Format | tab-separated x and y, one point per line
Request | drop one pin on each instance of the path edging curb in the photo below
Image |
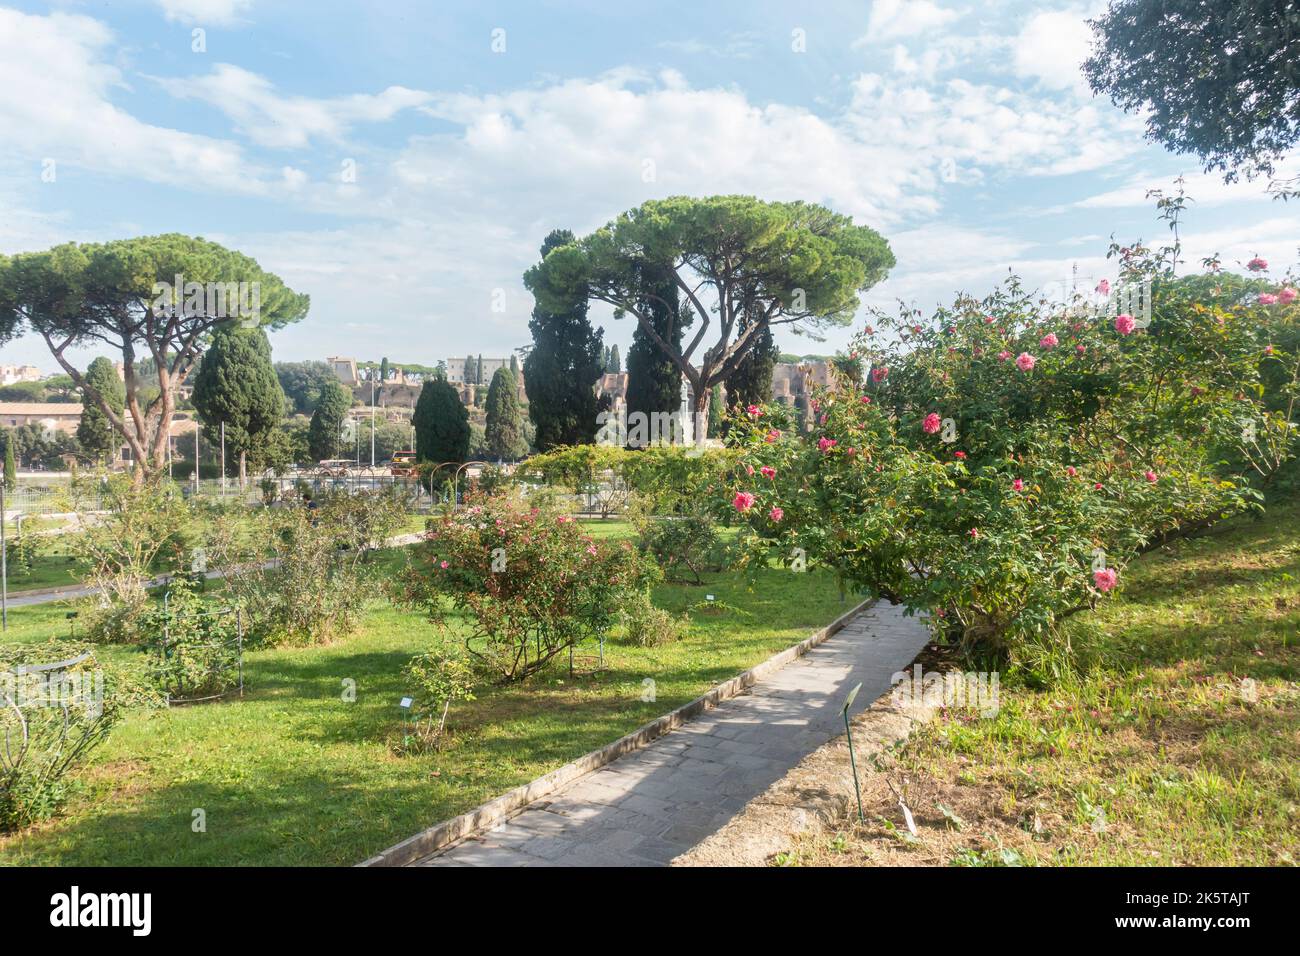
487	815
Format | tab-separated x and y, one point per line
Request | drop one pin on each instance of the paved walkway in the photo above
650	806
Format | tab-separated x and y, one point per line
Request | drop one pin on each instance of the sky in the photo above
401	162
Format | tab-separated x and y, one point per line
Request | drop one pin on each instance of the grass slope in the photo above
1179	745
293	774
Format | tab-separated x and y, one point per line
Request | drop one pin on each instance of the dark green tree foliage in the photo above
327	421
303	383
563	366
751	382
615	364
236	384
776	263
654	383
121	293
11	469
1217	79
99	440
383	369
441	424
504	435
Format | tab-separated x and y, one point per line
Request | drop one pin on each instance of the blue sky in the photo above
961	131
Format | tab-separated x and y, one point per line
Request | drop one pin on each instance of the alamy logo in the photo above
217	300
951	689
103	909
641	430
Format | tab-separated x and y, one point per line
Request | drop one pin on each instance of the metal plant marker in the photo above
848	731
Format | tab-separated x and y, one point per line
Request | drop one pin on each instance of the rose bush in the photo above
990	460
530	581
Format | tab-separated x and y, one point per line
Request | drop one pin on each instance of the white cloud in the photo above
55	87
989	127
1051	48
203	12
272	119
891	19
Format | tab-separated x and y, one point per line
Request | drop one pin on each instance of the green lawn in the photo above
1180	745
294	775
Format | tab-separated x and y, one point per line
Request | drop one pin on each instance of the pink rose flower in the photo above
826	444
1104	286
768	471
1286	295
772	435
1018	485
931	423
776	514
1257	264
974	532
1152	477
1105	579
1124	324
1003	355
743	501
1049	341
1267	298
960	455
1081	349
751	411
866	399
1070	470
878	374
989	320
749	469
443	565
1025	362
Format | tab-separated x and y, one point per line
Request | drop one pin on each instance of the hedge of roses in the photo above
997	464
532	583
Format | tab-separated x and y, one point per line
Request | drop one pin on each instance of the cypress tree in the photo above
654	383
504	435
236	384
327	420
441	424
99	440
561	369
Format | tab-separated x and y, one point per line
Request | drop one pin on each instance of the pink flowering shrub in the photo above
1113	443
531	584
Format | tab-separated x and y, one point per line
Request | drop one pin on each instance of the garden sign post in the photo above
848	732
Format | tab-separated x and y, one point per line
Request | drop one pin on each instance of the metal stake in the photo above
848	731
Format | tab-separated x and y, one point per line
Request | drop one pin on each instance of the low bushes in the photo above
195	649
437	679
300	576
50	721
529	580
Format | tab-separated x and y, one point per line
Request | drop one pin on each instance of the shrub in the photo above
645	625
530	581
1002	496
195	650
50	721
437	679
682	545
314	585
145	530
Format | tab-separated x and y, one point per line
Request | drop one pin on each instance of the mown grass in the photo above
1178	745
294	774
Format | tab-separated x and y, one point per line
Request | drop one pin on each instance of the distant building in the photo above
457	368
52	416
613	384
12	374
345	369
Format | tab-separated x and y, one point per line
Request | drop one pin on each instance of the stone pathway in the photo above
652	805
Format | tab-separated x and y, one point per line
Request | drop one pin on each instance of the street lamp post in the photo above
372	421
